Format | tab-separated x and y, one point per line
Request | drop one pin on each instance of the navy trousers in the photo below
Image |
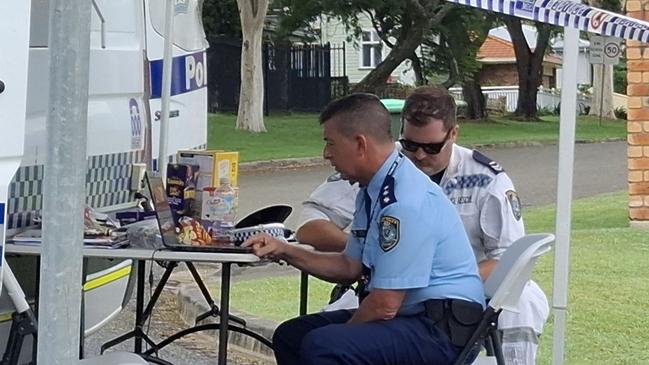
326	339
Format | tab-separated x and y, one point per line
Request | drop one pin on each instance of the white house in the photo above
363	53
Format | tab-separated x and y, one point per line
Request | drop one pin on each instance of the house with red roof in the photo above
499	64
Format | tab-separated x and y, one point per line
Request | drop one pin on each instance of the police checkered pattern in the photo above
272	229
107	184
566	13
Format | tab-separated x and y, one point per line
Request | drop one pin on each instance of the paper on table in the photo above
33	237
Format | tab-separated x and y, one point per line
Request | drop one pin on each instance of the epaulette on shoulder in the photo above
486	161
386	196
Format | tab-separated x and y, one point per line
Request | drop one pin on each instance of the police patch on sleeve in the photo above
389	236
515	203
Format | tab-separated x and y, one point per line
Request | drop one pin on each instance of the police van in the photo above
125	82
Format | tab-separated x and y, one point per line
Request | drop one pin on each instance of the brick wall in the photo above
506	75
637	54
498	75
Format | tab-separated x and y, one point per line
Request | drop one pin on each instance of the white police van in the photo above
123	121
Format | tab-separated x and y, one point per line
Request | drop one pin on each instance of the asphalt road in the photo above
599	168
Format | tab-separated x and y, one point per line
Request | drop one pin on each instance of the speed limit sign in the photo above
605	50
612	52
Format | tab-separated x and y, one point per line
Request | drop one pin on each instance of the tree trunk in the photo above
420	79
401	51
251	95
529	66
420	16
602	100
473	96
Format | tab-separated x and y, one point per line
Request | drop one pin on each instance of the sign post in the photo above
604	51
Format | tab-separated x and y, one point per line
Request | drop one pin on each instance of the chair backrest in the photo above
506	282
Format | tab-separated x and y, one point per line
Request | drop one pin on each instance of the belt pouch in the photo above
463	319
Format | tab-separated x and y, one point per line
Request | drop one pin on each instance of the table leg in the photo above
139	301
304	292
225	312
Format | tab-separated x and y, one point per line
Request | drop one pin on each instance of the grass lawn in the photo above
299	135
607	319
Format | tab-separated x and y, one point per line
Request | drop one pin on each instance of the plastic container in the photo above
394	106
219	211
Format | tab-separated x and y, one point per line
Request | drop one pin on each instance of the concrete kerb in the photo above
191	304
289	163
306	162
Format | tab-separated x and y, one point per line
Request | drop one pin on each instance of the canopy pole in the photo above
564	191
64	183
165	95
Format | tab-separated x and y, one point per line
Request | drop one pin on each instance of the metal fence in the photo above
545	99
296	78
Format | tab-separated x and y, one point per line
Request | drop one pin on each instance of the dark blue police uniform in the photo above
409	237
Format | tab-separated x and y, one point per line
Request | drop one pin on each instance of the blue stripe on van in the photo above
2	213
188	73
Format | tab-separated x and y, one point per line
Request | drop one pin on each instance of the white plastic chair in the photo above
504	287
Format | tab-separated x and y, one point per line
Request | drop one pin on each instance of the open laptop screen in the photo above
163	210
168	227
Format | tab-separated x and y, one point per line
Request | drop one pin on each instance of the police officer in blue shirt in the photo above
422	294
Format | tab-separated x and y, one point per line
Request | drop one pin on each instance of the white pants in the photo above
521	329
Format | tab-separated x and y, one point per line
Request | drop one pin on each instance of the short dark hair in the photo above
359	113
429	102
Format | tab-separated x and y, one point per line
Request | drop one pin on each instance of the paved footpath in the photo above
599	168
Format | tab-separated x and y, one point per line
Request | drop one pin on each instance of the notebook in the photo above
167	225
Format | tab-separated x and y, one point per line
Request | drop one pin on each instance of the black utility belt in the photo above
456	317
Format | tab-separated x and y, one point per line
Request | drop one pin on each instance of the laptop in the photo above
167	225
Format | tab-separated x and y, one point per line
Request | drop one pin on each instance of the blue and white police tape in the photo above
566	13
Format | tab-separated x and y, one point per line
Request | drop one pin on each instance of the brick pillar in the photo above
637	54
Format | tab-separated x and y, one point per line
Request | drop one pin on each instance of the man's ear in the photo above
455	133
361	144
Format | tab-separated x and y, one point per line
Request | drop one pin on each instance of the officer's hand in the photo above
265	246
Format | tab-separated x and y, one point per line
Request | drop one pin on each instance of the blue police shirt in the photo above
415	240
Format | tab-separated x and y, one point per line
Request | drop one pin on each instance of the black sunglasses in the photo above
429	148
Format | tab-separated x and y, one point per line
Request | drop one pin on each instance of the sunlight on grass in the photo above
608	291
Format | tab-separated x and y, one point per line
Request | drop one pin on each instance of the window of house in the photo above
371	49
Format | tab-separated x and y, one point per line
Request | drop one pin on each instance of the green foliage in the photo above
546	110
612	5
401	25
619	77
221	18
452	47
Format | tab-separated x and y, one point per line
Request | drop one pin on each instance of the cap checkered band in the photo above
272	229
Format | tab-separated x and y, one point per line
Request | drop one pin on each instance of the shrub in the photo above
620	112
541	111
